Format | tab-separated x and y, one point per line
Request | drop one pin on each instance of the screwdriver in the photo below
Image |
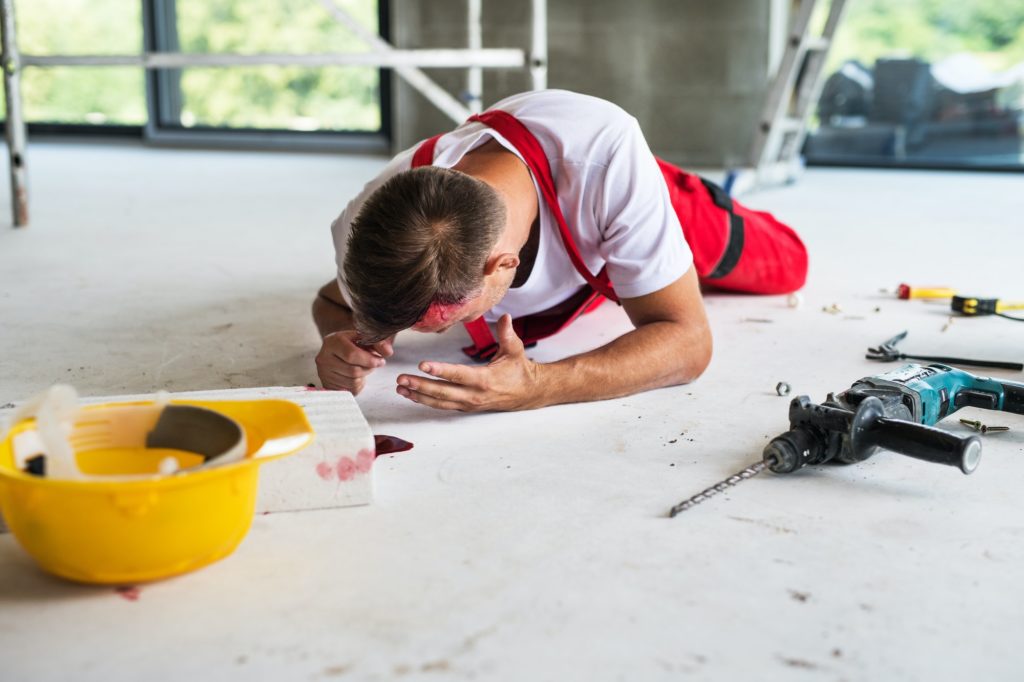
905	291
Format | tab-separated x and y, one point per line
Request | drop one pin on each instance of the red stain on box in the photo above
325	471
346	469
364	461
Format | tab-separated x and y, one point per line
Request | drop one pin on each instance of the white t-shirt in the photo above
610	190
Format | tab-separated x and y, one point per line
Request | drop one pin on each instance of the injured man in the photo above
516	223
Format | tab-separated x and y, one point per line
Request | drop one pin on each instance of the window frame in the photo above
163	100
881	163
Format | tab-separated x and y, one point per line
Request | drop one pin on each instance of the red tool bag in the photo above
750	253
734	248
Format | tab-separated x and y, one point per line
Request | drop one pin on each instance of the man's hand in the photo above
511	381
343	364
670	345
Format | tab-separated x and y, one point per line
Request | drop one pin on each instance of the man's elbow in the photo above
317	309
322	304
329	313
703	352
695	359
321	314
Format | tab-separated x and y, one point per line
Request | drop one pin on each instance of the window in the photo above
86	95
271	97
223	102
932	83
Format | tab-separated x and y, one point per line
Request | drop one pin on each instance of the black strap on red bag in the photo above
734	245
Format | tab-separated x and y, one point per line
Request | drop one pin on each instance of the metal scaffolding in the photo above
406	63
794	86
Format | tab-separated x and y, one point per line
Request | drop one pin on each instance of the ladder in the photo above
774	157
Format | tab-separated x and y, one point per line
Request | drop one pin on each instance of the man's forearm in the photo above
331	316
652	356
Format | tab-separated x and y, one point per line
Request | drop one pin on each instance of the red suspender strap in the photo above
484	344
424	154
527	145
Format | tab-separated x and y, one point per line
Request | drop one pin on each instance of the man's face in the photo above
441	317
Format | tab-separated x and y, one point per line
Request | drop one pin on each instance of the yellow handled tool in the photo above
905	291
973	307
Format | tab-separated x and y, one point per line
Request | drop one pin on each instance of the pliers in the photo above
887	352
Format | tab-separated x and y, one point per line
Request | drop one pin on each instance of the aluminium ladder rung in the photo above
792	92
818	44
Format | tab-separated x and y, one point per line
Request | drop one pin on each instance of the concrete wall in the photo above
693	72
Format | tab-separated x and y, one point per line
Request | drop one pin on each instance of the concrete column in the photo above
693	72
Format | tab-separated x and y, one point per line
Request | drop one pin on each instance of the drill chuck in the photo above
792	450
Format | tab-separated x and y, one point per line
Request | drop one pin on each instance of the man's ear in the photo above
501	261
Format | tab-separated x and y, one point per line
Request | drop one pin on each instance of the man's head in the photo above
421	253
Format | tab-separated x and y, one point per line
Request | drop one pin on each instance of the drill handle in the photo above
1013	397
924	442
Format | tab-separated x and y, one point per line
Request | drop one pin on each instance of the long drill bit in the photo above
743	475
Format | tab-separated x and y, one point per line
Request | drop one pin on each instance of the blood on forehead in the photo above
440	314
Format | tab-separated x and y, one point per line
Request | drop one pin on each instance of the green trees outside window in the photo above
259	97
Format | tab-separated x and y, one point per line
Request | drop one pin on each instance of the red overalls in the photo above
752	252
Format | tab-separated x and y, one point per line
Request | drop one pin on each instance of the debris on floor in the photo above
983	428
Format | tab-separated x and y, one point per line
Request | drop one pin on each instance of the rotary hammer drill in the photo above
895	411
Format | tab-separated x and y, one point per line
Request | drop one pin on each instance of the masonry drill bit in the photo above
743	475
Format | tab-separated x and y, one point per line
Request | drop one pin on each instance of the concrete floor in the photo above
533	545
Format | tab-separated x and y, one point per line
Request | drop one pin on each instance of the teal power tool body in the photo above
893	411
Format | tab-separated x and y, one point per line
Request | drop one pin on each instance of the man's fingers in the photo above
353	389
343	365
330	362
429	401
508	340
344	374
338	382
385	348
343	346
457	374
453	390
346	370
438	390
359	357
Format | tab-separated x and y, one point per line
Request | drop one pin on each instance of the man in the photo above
526	217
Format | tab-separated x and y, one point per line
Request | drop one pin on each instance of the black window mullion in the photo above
384	76
163	86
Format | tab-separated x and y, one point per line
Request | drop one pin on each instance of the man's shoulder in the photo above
560	104
573	127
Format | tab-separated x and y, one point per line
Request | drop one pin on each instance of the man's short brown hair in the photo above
423	237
